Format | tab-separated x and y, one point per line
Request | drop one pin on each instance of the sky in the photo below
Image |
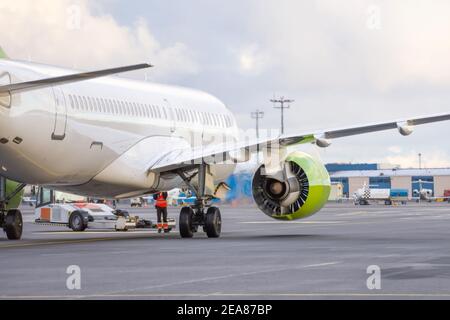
344	63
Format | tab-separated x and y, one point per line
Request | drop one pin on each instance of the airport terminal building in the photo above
355	176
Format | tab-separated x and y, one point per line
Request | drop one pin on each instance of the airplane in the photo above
365	194
425	194
93	134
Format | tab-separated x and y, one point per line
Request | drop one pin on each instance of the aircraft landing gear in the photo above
193	217
213	222
13	225
10	219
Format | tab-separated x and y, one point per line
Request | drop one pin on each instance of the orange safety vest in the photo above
160	201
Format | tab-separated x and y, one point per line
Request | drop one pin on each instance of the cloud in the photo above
381	43
75	34
252	60
395	149
436	159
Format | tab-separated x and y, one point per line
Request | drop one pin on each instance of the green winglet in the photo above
3	54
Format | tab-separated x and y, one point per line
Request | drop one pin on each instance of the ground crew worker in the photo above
161	211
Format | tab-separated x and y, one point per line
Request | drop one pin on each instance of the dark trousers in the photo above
163	212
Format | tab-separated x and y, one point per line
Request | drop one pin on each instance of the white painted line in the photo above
230	294
93	232
226	276
291	222
351	213
321	264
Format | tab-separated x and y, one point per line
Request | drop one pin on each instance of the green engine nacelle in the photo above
15	201
303	191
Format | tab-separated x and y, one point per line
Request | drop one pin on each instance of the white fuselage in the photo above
101	137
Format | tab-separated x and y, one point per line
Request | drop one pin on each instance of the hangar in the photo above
354	176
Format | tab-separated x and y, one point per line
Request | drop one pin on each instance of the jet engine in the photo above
299	189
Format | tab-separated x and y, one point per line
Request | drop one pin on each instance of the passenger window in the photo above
75	98
90	104
116	108
93	105
121	109
71	101
131	109
84	103
145	110
223	121
105	110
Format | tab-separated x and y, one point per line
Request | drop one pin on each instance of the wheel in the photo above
14	224
77	222
213	222
186	229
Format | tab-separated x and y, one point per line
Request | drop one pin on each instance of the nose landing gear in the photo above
193	217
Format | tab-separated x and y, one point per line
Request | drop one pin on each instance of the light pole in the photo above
257	115
420	161
282	101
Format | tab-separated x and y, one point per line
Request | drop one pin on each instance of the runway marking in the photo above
292	222
94	232
227	276
320	264
228	294
351	213
74	241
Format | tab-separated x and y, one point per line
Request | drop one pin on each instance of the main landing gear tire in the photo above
14	224
213	222
186	229
77	222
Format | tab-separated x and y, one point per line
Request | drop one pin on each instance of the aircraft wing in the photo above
229	151
49	82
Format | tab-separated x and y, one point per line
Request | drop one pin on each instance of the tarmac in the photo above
326	256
